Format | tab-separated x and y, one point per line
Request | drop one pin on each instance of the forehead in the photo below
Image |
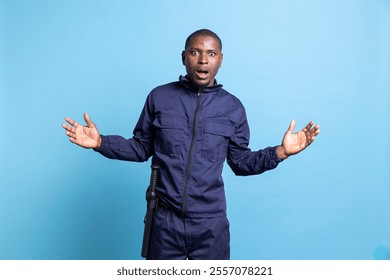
205	42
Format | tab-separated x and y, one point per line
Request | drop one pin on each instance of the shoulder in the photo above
230	98
166	88
165	96
164	92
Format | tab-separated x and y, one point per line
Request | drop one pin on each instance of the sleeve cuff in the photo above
274	155
103	144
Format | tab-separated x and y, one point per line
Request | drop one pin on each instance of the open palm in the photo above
293	143
85	136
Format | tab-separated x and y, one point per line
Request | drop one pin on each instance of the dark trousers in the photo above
180	238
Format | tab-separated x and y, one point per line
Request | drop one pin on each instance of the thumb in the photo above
291	127
88	121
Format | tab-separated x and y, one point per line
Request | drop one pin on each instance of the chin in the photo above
202	84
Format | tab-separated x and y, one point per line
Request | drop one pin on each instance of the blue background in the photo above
323	60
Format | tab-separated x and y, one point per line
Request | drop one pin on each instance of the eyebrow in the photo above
198	49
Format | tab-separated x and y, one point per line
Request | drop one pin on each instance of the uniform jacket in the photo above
190	134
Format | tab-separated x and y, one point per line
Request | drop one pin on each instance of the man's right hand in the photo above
86	136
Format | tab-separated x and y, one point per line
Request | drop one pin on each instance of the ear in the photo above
183	57
220	60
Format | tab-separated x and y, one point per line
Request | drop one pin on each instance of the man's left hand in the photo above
294	143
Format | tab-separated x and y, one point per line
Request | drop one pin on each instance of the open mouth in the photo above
202	72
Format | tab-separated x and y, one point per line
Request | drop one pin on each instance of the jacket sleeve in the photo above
242	160
138	148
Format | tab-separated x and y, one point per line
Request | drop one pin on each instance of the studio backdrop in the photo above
327	61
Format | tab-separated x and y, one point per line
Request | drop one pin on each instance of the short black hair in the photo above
203	32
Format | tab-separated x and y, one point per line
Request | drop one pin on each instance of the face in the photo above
202	59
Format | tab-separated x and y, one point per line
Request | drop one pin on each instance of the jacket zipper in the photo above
187	177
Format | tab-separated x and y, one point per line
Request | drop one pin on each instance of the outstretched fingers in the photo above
308	127
70	130
315	130
72	138
88	121
312	132
72	122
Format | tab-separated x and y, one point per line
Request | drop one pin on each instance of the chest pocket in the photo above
216	135
169	135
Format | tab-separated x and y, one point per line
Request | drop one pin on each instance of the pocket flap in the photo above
219	127
169	122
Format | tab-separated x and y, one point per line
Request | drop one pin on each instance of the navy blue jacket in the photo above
190	134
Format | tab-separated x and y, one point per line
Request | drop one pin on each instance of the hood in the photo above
188	85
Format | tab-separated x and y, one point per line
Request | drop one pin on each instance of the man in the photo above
189	128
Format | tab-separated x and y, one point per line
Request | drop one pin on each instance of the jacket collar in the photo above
186	83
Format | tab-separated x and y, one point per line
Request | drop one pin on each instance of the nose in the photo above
203	58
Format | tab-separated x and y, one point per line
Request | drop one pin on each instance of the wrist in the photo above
281	153
99	142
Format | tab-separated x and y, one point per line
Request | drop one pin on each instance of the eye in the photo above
194	53
212	54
